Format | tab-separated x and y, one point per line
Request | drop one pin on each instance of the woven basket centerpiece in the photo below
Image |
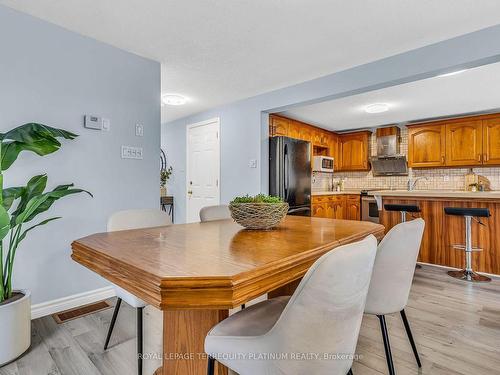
258	214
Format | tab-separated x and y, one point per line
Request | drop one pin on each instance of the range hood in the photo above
388	162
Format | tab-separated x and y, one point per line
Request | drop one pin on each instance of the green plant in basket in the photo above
258	212
259	198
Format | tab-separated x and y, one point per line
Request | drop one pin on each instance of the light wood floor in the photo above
456	326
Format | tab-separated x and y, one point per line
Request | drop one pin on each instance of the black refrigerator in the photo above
290	173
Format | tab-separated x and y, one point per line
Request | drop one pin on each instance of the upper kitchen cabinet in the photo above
333	146
278	126
491	141
426	146
464	143
354	151
468	142
293	129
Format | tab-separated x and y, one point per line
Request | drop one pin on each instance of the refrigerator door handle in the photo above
286	172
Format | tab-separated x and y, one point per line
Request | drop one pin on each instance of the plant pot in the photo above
163	191
15	336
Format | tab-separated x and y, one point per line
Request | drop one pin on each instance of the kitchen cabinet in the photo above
333	147
342	207
464	143
294	129
337	207
467	142
320	210
354	151
278	126
349	150
353	207
491	141
426	146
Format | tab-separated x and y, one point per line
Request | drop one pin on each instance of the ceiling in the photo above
474	90
218	51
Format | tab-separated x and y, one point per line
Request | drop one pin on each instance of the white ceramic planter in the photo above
15	337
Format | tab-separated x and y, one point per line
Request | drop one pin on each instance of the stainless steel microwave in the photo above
323	164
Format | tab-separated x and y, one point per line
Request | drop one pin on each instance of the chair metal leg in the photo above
387	346
139	340
113	321
211	366
410	336
350	372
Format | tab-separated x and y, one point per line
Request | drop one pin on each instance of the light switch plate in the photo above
106	124
131	152
252	163
139	130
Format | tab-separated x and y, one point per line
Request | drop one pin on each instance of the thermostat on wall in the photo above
93	122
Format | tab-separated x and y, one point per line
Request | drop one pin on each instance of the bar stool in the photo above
403	208
468	213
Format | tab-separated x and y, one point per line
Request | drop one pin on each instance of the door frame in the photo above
188	128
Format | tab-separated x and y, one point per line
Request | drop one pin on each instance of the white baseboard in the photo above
51	307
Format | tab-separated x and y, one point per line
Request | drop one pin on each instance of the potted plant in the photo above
164	177
19	207
258	212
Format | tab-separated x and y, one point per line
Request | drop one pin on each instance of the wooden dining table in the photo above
195	273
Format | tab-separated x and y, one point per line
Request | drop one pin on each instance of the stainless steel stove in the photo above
369	208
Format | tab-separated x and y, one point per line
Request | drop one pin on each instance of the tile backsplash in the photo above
442	179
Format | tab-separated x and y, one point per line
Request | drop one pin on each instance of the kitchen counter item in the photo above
438	194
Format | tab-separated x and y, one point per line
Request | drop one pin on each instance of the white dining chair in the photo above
392	278
211	213
322	317
124	220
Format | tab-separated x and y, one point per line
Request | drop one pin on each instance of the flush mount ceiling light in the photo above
452	73
173	99
377	108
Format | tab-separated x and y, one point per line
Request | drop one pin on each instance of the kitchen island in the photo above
442	231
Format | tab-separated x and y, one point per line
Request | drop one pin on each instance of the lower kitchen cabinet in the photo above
352	207
319	209
343	207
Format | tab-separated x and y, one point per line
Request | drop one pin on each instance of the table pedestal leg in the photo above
285	290
184	333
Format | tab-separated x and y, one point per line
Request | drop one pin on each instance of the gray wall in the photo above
54	76
244	123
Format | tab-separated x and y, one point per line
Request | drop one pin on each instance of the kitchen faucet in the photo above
412	183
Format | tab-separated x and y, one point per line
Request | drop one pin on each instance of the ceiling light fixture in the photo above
173	99
377	108
452	73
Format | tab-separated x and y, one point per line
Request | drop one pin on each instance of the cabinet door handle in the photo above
485	157
479	157
442	159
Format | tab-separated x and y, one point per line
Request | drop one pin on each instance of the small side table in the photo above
168	201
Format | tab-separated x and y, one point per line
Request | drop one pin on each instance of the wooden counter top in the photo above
343	192
484	195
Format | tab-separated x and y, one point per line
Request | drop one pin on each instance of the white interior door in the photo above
203	167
